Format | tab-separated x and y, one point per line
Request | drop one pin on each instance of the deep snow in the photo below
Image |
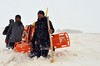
84	51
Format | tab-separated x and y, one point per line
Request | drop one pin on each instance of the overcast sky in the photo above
65	14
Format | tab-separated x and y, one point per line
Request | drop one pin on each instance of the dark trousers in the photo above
11	45
38	51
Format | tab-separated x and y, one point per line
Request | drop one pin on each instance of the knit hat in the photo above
17	16
41	12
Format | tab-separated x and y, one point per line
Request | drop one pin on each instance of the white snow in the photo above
84	51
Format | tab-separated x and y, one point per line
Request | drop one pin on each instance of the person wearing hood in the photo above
15	31
41	41
11	21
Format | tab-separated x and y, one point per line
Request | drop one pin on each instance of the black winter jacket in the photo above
41	34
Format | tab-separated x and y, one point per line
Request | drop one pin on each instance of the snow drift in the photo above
84	51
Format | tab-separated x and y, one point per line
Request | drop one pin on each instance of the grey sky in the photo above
65	14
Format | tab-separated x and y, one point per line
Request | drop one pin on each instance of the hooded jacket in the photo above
11	21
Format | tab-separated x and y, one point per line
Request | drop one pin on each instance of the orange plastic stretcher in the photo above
22	47
59	40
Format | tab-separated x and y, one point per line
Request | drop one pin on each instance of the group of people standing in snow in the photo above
40	41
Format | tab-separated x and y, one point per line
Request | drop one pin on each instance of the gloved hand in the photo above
50	31
30	43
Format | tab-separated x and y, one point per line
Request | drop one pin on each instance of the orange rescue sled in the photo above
61	40
22	47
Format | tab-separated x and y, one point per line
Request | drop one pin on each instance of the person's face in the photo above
18	19
40	16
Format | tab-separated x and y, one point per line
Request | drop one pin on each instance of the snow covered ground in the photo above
84	51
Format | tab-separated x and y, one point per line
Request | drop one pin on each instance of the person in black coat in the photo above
41	40
11	21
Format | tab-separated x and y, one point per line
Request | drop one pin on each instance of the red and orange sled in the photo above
59	40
